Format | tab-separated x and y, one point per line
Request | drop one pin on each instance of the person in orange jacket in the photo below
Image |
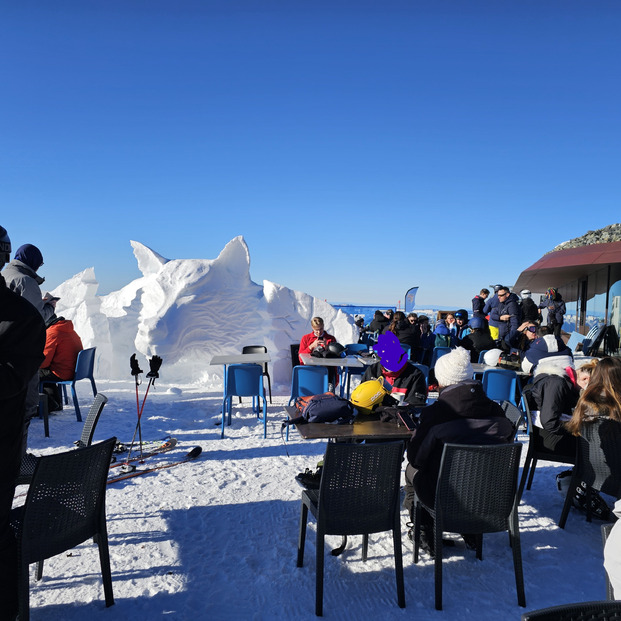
62	346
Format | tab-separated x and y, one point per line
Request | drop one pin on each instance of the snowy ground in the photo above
216	539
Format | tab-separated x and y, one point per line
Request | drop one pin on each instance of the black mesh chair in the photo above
585	611
514	414
65	506
29	460
536	451
475	494
598	464
606	528
260	349
358	495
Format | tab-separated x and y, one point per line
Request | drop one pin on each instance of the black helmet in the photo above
336	349
462	313
5	247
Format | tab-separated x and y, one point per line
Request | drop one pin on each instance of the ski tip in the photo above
195	452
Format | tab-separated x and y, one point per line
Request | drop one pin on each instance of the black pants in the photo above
10	458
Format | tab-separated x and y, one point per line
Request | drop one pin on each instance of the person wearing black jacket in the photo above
22	339
462	414
378	323
409	381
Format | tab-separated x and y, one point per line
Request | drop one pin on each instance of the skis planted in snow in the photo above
193	454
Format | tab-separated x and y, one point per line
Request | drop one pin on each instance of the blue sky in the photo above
360	148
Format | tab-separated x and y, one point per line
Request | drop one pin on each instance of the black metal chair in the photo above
29	461
358	495
536	451
598	464
260	349
475	494
586	611
65	506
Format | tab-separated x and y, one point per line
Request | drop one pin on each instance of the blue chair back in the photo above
244	380
500	385
482	356
85	364
437	353
307	380
407	349
424	368
355	348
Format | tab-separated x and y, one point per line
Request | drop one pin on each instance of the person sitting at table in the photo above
478	339
552	396
378	323
462	414
318	340
405	378
402	329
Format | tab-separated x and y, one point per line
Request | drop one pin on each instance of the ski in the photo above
158	450
193	454
148	445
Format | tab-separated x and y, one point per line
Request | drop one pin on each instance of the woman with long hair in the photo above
601	398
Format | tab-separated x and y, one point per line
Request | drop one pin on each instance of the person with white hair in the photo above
462	414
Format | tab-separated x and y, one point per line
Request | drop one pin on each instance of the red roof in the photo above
562	267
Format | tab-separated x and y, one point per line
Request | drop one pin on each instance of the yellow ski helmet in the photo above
369	394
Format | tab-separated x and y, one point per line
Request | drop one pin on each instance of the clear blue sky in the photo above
359	147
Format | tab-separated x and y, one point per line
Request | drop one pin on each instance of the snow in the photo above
216	539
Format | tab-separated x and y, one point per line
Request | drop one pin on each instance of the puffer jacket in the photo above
463	414
24	281
62	346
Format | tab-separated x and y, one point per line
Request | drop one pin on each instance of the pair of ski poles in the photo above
154	366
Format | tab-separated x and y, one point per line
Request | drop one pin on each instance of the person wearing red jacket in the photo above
317	338
62	346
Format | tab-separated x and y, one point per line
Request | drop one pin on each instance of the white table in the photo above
225	359
347	361
479	367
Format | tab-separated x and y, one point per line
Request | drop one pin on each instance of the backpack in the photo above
324	408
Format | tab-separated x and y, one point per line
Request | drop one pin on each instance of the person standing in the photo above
22	278
556	310
22	338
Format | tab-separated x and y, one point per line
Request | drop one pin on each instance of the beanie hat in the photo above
453	367
30	255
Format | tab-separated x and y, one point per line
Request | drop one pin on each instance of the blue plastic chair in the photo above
407	349
500	385
482	353
244	380
83	370
437	353
306	381
424	368
352	349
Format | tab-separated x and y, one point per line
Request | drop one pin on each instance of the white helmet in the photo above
525	293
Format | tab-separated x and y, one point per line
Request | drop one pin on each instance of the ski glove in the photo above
155	363
133	363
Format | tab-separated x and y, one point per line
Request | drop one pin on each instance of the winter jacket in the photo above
552	393
463	414
509	306
547	346
476	342
22	338
529	310
410	381
490	309
62	345
405	332
25	282
378	323
478	304
307	339
556	310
